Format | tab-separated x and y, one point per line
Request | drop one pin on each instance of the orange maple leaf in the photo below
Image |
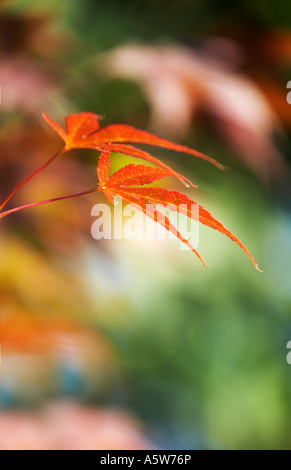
83	131
121	184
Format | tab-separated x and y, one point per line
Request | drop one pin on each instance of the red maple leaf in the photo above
123	183
83	131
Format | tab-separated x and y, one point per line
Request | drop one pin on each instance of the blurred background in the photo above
133	344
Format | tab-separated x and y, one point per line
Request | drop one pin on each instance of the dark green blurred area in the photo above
199	355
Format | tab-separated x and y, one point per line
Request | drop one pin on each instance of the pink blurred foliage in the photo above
26	86
179	82
29	79
71	426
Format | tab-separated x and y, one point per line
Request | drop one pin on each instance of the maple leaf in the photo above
121	183
83	131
